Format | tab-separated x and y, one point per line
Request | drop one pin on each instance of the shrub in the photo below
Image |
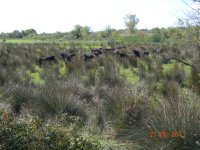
180	115
176	73
109	74
21	94
90	79
65	96
142	69
195	80
31	135
170	89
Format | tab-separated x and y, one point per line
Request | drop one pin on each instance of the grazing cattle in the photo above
122	54
131	55
137	53
67	56
72	55
158	51
146	53
96	52
121	47
48	58
109	49
116	51
88	56
142	48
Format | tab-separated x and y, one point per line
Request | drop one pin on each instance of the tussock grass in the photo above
96	98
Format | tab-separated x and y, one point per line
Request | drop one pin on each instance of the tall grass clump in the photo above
170	89
195	80
142	69
120	106
175	124
109	74
176	73
20	95
64	96
53	98
181	115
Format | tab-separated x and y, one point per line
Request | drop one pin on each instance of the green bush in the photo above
195	80
62	96
170	89
176	73
32	135
21	94
142	69
179	115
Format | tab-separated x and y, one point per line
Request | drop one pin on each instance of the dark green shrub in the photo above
177	74
133	61
180	115
142	69
31	135
64	96
170	89
195	80
21	94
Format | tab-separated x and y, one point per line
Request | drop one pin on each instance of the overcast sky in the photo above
62	15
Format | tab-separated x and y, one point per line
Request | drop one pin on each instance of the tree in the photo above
29	32
15	34
85	31
131	21
191	45
77	32
109	32
156	35
80	32
186	49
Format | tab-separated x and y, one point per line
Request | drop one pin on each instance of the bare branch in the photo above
190	7
184	62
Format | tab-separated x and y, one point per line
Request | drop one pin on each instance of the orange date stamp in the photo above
166	134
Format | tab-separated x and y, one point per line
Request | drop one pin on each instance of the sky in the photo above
62	15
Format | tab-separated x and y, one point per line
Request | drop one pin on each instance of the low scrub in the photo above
33	135
169	125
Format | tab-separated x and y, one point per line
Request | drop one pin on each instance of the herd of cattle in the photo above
96	52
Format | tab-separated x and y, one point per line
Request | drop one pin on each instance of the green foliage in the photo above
174	72
181	114
32	135
131	21
80	32
77	32
35	77
195	80
130	75
142	69
156	35
109	33
19	34
96	97
63	70
21	94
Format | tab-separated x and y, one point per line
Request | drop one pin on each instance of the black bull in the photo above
47	59
88	56
67	56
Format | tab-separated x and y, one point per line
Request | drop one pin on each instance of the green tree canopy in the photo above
131	21
109	32
80	31
28	32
